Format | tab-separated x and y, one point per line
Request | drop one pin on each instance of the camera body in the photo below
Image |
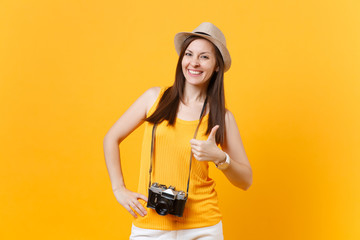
165	200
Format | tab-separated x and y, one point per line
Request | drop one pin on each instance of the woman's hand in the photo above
208	150
129	200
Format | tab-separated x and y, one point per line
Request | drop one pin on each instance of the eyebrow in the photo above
200	53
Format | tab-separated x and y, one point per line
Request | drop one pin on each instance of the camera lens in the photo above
162	207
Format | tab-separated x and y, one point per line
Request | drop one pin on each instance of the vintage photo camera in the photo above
165	200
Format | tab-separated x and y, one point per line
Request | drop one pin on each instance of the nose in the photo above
195	62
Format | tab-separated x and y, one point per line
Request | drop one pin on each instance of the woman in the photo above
186	128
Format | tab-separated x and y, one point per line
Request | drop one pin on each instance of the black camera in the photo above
165	200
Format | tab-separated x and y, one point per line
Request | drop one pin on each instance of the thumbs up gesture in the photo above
207	150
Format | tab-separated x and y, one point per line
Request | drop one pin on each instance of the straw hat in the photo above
210	32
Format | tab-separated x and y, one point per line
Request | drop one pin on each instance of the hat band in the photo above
203	33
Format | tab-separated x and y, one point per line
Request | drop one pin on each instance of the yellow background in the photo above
69	69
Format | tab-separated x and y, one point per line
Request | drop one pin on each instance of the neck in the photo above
194	93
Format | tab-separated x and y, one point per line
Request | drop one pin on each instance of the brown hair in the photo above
169	102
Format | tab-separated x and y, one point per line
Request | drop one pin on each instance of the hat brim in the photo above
182	36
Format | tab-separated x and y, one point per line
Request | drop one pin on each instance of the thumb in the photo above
213	133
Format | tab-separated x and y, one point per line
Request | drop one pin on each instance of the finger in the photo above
213	133
195	148
130	211
197	157
195	151
142	197
195	142
136	208
140	209
140	206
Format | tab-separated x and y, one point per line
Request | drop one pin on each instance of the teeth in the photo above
194	72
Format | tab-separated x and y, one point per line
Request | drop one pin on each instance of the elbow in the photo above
247	182
247	185
241	179
106	140
110	139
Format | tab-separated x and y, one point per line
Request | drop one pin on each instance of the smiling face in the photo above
199	62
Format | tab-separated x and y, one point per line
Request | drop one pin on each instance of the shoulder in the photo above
230	123
232	134
153	93
150	96
229	117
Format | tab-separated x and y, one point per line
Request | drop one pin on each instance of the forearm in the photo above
239	174
128	199
113	163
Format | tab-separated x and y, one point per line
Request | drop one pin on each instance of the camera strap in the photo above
152	153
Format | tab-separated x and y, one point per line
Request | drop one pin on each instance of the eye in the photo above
205	57
187	54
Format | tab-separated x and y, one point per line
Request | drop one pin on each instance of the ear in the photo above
217	69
